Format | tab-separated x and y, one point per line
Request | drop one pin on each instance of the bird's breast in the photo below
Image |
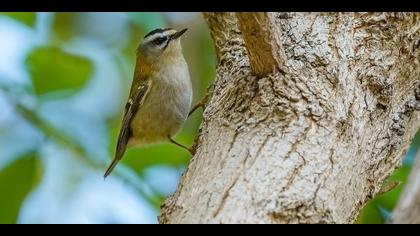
166	106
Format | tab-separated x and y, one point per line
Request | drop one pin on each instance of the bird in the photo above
161	94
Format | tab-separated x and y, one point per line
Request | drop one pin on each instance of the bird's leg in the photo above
190	150
202	103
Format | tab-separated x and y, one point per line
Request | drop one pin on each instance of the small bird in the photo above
160	96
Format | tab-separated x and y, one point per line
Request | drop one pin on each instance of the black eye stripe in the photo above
160	40
166	45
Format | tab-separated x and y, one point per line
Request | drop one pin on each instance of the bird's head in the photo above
161	42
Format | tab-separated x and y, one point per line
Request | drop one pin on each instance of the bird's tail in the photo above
118	157
111	167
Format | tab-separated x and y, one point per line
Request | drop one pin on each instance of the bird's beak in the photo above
178	34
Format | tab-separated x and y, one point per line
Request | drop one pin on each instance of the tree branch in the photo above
311	144
223	29
263	41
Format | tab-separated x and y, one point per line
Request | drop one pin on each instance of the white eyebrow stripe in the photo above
157	35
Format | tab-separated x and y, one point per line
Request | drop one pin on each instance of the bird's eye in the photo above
159	41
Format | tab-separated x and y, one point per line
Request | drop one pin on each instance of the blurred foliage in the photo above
64	27
56	72
148	20
28	18
16	181
143	157
377	210
52	70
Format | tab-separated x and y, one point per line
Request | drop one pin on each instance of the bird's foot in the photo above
190	150
203	102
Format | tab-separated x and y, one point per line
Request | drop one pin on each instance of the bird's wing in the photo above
139	91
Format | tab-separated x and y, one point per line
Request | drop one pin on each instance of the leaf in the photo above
371	214
387	201
16	181
53	70
27	18
390	199
64	26
163	154
147	20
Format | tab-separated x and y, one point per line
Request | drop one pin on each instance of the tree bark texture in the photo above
313	139
408	208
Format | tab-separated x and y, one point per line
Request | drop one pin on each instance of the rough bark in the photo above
313	141
408	208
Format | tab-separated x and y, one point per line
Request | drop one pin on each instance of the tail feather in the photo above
111	167
118	157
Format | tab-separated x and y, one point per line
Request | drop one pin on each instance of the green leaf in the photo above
147	20
164	154
389	200
64	26
16	181
54	70
371	214
27	18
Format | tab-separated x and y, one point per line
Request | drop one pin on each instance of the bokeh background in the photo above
64	80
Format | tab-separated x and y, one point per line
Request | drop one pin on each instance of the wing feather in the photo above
138	94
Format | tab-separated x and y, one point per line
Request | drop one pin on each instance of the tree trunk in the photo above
408	208
311	112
